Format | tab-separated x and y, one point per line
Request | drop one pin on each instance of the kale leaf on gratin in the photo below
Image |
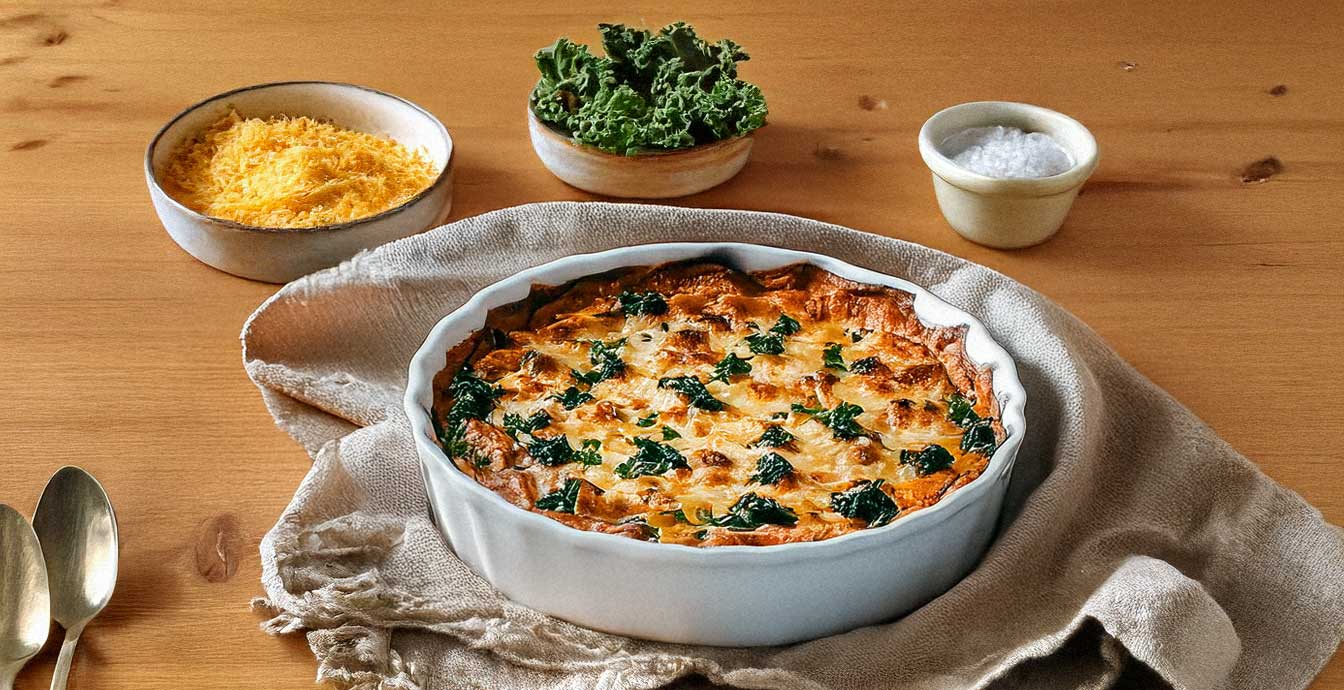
694	404
650	92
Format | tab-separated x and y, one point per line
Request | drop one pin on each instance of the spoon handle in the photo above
58	678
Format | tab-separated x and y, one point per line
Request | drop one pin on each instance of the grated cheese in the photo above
293	172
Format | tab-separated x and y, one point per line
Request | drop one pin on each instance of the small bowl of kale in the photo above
659	115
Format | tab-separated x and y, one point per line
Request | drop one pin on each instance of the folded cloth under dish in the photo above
1137	549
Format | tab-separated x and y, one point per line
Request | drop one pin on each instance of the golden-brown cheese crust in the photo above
534	350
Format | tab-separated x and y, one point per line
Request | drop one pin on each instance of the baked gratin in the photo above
691	403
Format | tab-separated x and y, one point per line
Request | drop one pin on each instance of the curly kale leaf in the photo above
652	458
774	436
572	397
696	393
751	511
570	76
606	360
589	453
620	120
516	424
979	436
765	343
960	411
663	91
621	43
865	501
451	439
473	398
786	325
642	304
551	452
772	342
832	358
730	366
556	451
840	419
867	365
771	468
562	500
927	461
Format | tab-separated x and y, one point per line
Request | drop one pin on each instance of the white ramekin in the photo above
726	595
278	255
1006	213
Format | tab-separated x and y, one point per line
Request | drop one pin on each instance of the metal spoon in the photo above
78	531
25	604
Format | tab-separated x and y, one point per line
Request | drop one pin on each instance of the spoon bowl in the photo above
25	603
78	531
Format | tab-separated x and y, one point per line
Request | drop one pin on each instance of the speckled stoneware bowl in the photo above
278	255
658	175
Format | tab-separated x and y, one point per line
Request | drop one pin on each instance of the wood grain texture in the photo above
1215	273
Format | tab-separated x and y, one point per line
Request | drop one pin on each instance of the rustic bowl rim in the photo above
1086	155
551	130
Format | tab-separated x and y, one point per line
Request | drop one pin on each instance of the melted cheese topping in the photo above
292	172
904	400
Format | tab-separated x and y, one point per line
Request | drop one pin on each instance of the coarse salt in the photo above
1007	152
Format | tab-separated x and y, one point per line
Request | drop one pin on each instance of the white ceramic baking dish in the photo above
726	595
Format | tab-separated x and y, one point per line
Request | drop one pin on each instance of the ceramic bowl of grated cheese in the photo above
275	181
1006	174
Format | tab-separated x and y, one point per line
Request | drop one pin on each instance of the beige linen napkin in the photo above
1137	549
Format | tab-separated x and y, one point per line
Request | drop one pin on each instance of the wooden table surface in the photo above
1206	248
